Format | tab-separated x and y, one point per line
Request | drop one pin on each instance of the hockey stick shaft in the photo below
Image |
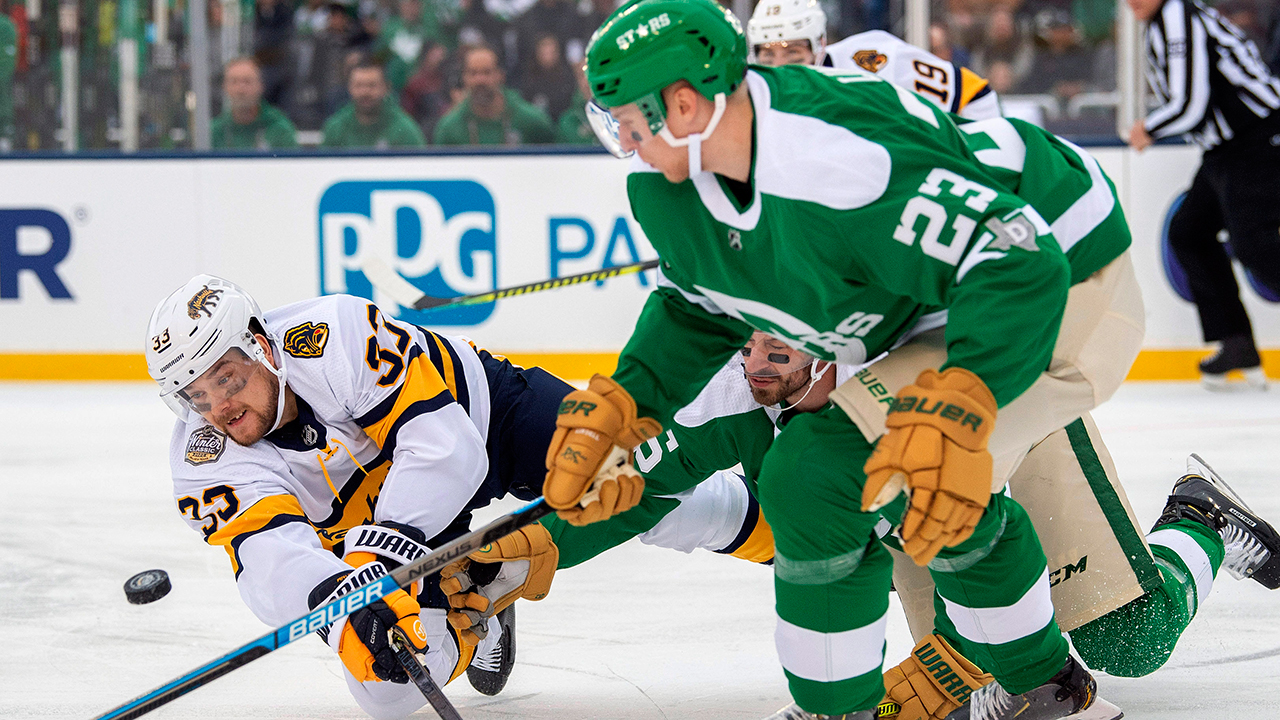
420	677
330	612
390	282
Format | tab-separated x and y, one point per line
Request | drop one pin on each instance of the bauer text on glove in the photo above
935	449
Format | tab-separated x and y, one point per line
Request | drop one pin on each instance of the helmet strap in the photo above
280	374
694	140
814	376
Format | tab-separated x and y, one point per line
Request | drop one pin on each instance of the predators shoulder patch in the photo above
205	445
203	302
306	340
870	60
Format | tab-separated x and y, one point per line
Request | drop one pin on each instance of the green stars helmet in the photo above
646	45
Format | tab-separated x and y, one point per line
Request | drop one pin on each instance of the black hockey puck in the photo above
147	586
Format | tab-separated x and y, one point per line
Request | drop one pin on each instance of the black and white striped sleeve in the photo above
1178	69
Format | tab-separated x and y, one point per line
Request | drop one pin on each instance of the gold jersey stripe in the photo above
758	547
446	362
421	382
971	84
255	518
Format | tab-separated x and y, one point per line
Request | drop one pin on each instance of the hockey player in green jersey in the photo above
732	422
837	213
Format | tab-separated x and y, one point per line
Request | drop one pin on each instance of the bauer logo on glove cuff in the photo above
949	411
570	407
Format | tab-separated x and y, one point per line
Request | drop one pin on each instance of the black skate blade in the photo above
1197	465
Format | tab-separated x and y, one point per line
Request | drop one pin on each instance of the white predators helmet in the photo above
788	21
196	326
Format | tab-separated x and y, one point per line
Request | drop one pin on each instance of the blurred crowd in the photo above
405	73
1055	60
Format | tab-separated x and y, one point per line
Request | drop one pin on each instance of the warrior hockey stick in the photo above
422	678
390	282
329	613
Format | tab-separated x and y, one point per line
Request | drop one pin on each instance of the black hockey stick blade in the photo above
327	614
420	677
390	282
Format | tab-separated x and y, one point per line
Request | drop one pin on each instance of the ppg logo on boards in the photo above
440	235
33	240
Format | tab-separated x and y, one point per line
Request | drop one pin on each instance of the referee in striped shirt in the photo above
1214	87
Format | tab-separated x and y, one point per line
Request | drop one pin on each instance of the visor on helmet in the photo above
227	376
223	378
606	129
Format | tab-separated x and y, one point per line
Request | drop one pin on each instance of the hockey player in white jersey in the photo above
794	32
323	443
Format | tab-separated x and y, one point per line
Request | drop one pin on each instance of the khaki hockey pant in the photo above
1098	557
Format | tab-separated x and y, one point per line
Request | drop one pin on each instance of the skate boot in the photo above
793	712
1235	353
488	673
1252	545
1072	693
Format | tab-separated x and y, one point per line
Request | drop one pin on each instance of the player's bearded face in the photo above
237	395
773	370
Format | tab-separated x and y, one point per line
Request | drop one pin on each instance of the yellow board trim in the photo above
73	366
1151	365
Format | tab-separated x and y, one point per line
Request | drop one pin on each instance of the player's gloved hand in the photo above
520	565
934	680
362	639
589	472
936	449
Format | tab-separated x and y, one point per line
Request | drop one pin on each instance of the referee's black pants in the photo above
1237	188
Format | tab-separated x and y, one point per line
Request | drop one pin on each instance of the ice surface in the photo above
640	632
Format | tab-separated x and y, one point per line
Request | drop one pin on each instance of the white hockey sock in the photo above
1194	559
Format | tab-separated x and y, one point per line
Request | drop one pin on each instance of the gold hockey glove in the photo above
362	640
479	586
934	680
936	449
589	472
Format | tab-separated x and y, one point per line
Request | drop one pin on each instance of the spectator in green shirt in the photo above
247	121
403	39
8	63
371	119
490	114
573	128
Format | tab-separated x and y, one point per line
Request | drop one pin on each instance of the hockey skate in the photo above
1235	354
488	673
1072	693
793	712
1252	545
